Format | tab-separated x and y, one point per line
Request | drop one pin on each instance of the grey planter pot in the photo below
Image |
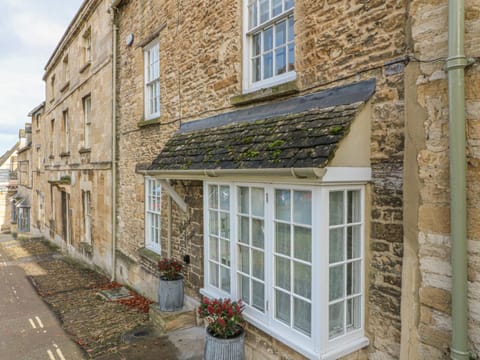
224	349
170	294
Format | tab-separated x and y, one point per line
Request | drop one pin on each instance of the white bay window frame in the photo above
317	345
153	214
260	27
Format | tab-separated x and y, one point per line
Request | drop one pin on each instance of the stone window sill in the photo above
144	123
273	92
85	67
85	150
65	86
149	255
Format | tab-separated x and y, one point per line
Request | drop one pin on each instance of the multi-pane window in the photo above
153	205
219	236
66	132
293	258
87	219
52	137
251	246
293	254
345	261
152	80
66	70
87	47
270	43
87	107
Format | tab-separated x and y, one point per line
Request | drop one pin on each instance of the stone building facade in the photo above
427	274
8	185
23	197
72	142
204	78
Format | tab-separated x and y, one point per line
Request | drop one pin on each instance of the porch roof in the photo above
302	132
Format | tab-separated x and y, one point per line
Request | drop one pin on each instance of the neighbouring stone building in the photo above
72	141
427	272
23	197
8	185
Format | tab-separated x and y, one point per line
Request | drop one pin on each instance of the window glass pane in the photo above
353	242
282	273
244	229
335	320
243	200
302	238
336	245
276	7
213	222
280	61
353	278
257	202
244	288
353	313
336	208
282	306
264	10
268	39
244	262
302	207
302	280
282	205
225	276
258	264
336	282
256	44
289	4
225	225
257	233
224	197
213	196
290	29
252	14
213	274
213	248
282	238
225	252
268	65
291	57
353	209
258	295
302	315
256	69
281	33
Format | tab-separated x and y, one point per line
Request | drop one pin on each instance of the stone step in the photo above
174	320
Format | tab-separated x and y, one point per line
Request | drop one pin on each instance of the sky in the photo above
29	32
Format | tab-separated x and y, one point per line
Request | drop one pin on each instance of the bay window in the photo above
294	255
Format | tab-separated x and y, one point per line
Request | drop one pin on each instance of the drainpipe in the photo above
455	66
113	10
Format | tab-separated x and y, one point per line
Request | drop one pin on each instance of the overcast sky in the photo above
29	32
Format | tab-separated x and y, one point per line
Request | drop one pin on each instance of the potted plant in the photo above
170	287
225	336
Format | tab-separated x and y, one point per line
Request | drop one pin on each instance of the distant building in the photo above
8	186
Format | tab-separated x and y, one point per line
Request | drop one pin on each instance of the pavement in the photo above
52	311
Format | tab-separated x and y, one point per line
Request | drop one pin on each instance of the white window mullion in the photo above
233	243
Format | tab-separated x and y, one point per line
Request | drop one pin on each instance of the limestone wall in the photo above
62	160
337	42
427	276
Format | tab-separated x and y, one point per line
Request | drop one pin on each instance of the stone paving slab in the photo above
98	326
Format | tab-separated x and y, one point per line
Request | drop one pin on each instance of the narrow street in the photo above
29	330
